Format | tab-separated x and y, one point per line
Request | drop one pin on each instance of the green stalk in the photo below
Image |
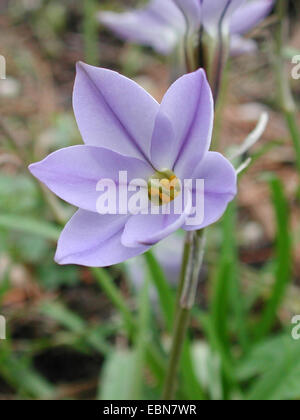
220	106
90	32
219	65
189	56
286	99
219	58
180	329
291	121
185	259
191	269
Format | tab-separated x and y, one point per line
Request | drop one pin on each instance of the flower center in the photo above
163	187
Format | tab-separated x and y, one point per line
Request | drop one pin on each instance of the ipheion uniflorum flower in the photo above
162	24
125	130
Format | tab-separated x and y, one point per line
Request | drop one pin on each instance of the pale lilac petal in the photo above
188	105
93	240
74	172
218	12
220	187
159	25
240	45
163	154
113	112
149	229
249	15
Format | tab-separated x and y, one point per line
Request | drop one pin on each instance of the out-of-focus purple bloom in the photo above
159	25
163	23
125	129
240	45
168	253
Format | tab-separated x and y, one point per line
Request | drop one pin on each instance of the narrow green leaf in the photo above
164	291
117	379
142	339
94	337
106	282
155	359
262	357
227	307
63	316
290	52
235	287
283	262
208	369
20	375
30	226
227	284
280	365
191	385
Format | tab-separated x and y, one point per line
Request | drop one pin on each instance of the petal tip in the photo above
62	259
34	169
107	17
31	167
80	65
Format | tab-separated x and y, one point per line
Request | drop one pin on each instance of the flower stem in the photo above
90	32
187	44
185	260
293	127
286	100
221	56
191	265
181	324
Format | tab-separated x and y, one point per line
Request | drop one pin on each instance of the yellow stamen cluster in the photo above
163	187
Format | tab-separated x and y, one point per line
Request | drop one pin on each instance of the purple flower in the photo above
163	23
125	130
160	25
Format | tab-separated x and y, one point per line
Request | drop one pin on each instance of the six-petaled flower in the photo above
125	130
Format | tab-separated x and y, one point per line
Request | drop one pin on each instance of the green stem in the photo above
218	67
219	108
291	120
187	45
192	262
286	99
220	57
180	329
90	32
185	259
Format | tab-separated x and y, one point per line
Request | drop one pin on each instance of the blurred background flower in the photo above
163	24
